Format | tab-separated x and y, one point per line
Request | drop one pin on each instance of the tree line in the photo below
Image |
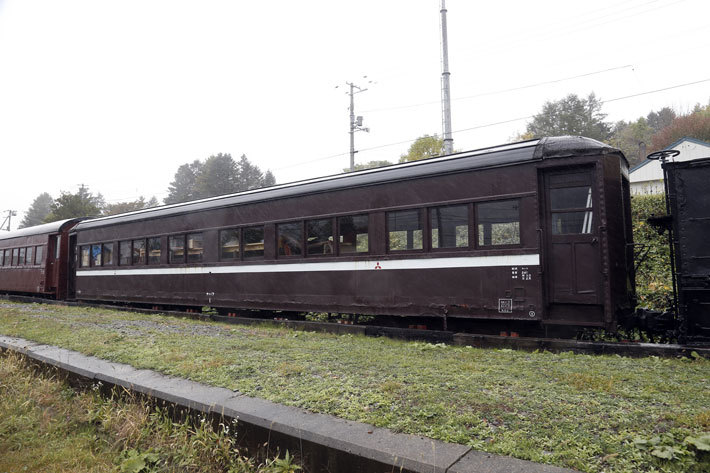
217	175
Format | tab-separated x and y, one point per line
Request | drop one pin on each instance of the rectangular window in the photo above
571	210
195	248
449	226
253	242
15	256
404	229
124	253
498	223
85	256
229	244
95	255
289	238
108	254
57	246
353	234
21	261
176	243
154	250
2	257
29	256
320	236
39	254
139	252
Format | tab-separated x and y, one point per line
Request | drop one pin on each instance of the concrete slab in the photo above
482	462
324	443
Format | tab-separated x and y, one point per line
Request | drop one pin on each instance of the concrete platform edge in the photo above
331	443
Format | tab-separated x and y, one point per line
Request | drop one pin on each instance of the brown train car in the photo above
33	260
531	234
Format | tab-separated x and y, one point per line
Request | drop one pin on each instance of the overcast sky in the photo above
117	94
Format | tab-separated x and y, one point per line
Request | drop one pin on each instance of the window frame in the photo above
333	249
301	241
238	231
39	255
338	234
103	253
172	238
479	246
422	226
144	260
147	250
470	209
243	245
187	247
130	252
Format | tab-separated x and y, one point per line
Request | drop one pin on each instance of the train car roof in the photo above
497	156
45	228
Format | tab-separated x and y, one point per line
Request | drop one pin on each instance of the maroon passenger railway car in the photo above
33	260
532	234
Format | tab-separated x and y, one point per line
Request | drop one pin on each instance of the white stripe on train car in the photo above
369	265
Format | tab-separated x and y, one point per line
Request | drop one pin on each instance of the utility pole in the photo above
10	214
445	85
355	122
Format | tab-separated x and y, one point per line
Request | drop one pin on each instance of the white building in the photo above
647	177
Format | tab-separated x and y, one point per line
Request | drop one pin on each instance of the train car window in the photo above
176	249
154	250
289	238
139	252
107	259
57	246
498	223
95	255
85	256
21	261
39	253
319	237
353	234
253	242
404	229
229	244
2	257
29	256
449	226
15	256
571	210
195	248
124	253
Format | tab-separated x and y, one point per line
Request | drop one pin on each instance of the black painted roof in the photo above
504	155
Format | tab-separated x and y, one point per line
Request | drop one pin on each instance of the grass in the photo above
591	413
46	425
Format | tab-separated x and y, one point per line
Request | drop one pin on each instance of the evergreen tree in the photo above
38	211
571	116
217	175
81	204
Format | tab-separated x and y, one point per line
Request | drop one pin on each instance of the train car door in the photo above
53	251
71	268
573	264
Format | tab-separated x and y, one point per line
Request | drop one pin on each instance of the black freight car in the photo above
33	260
688	201
531	234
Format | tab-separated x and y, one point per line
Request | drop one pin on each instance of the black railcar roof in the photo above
45	228
504	155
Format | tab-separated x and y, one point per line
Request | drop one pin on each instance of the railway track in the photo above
630	349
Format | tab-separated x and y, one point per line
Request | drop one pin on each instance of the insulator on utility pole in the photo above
445	85
355	122
8	219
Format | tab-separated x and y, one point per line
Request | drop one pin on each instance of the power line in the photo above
512	89
487	125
